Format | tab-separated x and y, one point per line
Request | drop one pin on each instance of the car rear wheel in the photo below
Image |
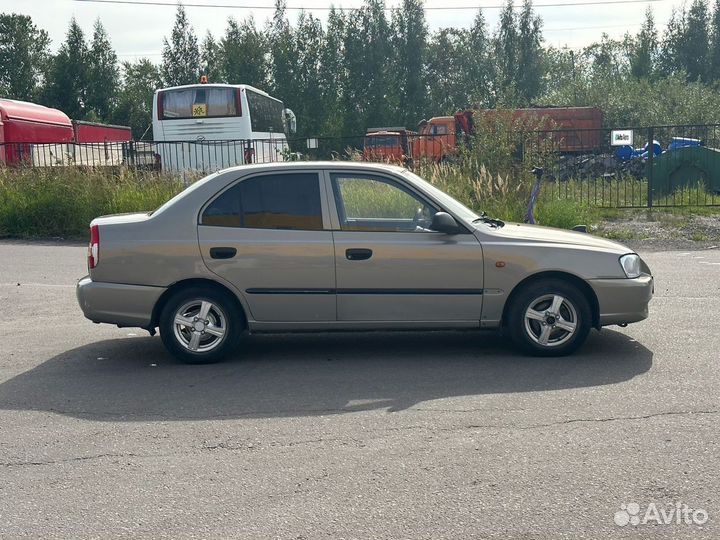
200	326
549	318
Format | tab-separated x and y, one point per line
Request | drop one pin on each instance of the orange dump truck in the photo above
574	130
390	145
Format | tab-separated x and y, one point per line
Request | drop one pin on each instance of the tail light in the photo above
94	247
160	106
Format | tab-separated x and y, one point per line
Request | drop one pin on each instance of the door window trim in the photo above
324	209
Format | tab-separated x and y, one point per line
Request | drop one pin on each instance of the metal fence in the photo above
681	167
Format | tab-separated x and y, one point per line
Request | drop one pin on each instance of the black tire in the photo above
223	315
528	333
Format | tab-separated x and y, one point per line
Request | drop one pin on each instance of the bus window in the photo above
266	113
199	102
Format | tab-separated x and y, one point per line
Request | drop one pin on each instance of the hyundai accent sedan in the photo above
348	246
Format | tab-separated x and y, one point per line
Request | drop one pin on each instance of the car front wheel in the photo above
200	326
549	318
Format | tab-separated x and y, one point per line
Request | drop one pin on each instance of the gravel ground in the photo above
663	230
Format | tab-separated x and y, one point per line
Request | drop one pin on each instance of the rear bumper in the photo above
115	303
623	301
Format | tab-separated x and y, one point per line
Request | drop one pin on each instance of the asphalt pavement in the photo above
378	435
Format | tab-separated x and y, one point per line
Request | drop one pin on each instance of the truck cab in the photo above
389	145
438	137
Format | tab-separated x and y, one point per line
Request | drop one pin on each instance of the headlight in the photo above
631	265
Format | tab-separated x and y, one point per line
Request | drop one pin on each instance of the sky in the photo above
138	30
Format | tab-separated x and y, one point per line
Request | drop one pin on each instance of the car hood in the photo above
548	235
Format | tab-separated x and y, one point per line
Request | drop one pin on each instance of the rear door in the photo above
390	266
267	234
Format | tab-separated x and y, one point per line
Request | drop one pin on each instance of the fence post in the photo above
651	159
131	154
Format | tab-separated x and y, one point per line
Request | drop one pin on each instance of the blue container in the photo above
684	142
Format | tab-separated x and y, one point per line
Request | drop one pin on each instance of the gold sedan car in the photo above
348	246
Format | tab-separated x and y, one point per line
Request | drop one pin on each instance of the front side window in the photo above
278	201
368	203
439	129
199	102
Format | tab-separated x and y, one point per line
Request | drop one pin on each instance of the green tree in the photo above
695	48
506	55
67	79
140	79
305	101
409	49
331	73
282	50
103	75
210	59
530	69
23	55
477	65
372	69
670	61
181	54
714	55
446	66
644	48
243	54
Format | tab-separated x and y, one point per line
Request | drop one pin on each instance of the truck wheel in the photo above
549	318
199	326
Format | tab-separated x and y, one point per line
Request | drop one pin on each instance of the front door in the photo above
266	235
390	266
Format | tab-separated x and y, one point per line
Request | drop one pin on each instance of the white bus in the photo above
207	127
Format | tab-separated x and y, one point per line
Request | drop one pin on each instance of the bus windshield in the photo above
203	102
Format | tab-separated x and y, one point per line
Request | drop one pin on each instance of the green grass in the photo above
61	202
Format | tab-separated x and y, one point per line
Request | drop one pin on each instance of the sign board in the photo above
621	137
312	143
199	109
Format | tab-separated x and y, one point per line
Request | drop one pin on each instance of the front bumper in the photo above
623	301
116	303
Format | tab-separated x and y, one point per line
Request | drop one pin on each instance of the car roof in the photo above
305	165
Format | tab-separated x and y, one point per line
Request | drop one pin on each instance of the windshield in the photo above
446	200
377	141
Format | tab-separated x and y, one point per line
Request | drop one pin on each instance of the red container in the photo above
23	124
575	129
91	132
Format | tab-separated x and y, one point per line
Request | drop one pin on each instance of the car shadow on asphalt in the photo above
135	379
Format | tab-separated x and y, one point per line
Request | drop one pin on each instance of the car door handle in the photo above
223	252
360	254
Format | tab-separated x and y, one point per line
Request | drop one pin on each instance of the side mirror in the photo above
290	121
444	223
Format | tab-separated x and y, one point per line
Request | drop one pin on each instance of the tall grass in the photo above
61	202
52	202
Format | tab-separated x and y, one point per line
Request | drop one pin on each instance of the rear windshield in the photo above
204	102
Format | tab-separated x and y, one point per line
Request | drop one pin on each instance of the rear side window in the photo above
286	201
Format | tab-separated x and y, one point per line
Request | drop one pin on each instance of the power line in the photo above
338	8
